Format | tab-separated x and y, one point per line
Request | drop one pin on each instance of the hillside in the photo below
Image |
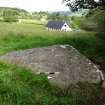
16	9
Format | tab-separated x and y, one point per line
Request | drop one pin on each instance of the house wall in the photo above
65	27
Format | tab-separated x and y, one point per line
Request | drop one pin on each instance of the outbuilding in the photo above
59	25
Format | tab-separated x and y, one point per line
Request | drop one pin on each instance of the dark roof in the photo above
55	24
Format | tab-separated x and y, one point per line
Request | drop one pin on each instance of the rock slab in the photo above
63	64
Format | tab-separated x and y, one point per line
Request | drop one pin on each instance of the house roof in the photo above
55	24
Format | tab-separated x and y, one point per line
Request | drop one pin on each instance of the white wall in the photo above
65	27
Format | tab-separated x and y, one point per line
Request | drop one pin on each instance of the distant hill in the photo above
21	12
65	13
69	13
17	9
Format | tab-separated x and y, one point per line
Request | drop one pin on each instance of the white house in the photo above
59	25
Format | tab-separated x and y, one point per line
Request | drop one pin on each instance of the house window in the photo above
65	25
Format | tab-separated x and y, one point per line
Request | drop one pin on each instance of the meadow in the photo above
19	86
23	36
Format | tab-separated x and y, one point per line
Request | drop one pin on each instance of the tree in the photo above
10	15
57	16
84	4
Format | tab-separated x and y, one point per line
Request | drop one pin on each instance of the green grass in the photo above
19	86
33	21
23	36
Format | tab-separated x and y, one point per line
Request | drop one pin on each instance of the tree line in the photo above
14	14
94	20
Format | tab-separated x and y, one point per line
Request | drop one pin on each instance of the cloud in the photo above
36	5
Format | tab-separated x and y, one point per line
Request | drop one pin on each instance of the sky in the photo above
35	5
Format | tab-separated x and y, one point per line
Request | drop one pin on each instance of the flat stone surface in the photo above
63	64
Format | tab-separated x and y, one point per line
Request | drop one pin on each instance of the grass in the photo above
22	36
19	86
33	21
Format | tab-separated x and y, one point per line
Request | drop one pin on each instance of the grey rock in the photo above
63	64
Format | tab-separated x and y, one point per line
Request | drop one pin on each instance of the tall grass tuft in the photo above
20	86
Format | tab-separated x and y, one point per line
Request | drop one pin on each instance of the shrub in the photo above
10	16
75	22
88	25
94	21
10	19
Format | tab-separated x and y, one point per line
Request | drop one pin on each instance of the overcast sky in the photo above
35	5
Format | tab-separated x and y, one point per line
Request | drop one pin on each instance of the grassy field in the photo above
19	86
23	36
33	21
